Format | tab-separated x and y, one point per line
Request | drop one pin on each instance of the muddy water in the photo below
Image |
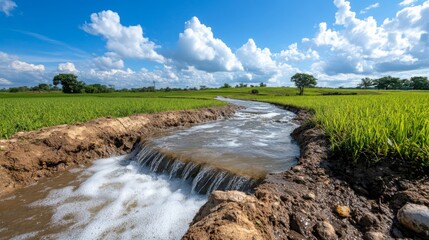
122	198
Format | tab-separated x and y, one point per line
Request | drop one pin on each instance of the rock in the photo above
297	168
326	231
342	211
374	236
310	196
415	217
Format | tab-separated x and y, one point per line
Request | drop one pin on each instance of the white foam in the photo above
120	201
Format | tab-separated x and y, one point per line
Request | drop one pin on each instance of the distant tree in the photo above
203	87
69	83
226	85
303	80
365	83
262	84
420	83
388	82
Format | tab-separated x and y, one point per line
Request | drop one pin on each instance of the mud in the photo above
29	156
320	198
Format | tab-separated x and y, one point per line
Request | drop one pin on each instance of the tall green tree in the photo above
303	80
69	83
421	83
365	83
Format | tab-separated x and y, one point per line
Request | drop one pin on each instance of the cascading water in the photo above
154	192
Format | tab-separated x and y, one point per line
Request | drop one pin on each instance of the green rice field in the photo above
366	125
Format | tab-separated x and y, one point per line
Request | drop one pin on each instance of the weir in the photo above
203	177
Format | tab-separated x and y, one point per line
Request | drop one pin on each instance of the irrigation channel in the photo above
155	191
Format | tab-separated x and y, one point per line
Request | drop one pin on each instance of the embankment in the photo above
29	156
320	198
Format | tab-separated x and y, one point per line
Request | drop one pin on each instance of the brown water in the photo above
150	194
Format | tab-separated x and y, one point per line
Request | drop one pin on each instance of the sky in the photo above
190	43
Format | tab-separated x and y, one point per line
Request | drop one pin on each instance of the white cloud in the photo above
364	46
407	2
110	60
125	41
199	48
294	54
254	58
372	6
4	81
26	67
67	67
6	6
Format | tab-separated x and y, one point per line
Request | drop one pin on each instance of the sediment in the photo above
29	156
322	197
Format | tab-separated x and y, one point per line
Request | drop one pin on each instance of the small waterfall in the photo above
204	178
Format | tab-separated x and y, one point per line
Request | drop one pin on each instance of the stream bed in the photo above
155	191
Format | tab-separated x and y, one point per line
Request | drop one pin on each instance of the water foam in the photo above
123	200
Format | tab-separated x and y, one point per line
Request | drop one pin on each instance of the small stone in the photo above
326	231
2	148
374	236
415	217
310	196
343	211
297	168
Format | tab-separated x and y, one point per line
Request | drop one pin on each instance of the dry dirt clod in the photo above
326	231
374	236
309	196
342	211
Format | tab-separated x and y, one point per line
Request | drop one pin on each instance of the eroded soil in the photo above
320	198
29	156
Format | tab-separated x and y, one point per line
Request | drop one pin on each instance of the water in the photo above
154	192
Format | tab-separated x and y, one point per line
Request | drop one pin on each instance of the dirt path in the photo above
320	198
31	155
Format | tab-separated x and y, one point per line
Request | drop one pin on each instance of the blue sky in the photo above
195	43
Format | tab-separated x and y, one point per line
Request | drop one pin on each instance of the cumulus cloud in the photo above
372	6
407	2
67	67
26	67
365	46
6	6
199	48
255	59
127	42
110	60
294	54
4	81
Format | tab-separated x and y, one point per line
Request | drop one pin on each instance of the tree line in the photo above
388	82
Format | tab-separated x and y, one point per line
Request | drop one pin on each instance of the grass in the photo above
370	126
392	125
25	112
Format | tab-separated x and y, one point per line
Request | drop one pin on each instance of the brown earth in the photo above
29	156
320	198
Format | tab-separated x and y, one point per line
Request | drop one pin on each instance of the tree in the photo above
365	83
262	84
419	83
69	83
226	85
388	82
303	80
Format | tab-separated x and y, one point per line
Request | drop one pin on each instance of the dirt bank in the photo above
320	198
31	155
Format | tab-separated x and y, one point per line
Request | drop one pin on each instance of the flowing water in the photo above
154	192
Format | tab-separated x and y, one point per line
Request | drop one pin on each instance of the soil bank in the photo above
320	198
29	156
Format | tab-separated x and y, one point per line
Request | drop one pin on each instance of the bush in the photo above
254	91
